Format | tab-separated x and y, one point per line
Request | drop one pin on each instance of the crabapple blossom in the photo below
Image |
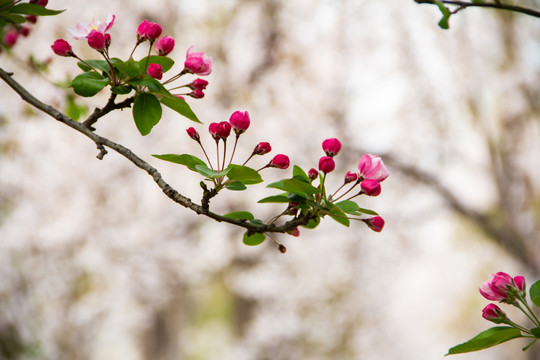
313	174
164	45
331	147
350	177
198	83
81	31
262	148
62	48
32	19
501	287
155	71
326	164
372	167
197	62
96	40
11	37
371	187
239	121
193	134
197	94
280	161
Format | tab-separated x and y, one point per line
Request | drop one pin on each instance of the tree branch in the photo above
496	5
168	190
110	106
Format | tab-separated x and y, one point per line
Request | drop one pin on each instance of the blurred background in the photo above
96	263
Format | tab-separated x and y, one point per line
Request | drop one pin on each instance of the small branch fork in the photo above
86	129
494	5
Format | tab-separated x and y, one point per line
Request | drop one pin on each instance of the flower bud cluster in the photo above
10	33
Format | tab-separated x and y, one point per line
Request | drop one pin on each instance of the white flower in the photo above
82	30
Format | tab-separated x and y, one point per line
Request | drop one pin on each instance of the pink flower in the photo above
331	147
164	46
197	94
326	164
280	161
519	281
96	40
82	31
494	314
40	2
24	31
372	167
141	31
375	223
155	71
31	19
198	84
149	30
193	134
371	187
239	121
350	177
313	174
213	130
197	62
498	287
262	148
220	130
11	37
294	232
62	48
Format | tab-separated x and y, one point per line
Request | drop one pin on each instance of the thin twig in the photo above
495	5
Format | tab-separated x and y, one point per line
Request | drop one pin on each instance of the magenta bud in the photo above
197	94
197	62
96	40
498	287
350	177
240	121
11	37
313	174
331	147
155	71
280	161
494	314
371	187
326	164
193	134
198	84
164	46
294	232
262	148
62	48
375	223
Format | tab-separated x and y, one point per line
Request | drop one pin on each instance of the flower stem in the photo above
234	148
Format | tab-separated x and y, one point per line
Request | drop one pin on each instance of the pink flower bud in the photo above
197	94
313	174
96	40
371	187
498	287
280	161
107	40
200	84
375	223
39	2
11	37
197	62
326	164
141	31
519	281
164	46
24	31
153	31
193	134
494	314
31	19
223	130
350	177
239	121
62	48
155	71
213	130
262	148
372	167
294	232
331	147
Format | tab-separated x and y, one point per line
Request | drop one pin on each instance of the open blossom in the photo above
81	31
501	287
62	48
164	45
197	62
155	71
240	121
331	147
372	167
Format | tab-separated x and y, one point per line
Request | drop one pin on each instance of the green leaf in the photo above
209	173
300	174
146	112
491	337
185	159
244	174
165	62
33	9
534	293
130	68
254	239
296	187
121	90
313	223
96	64
367	211
536	332
180	106
13	18
257	221
443	23
338	215
152	84
89	83
5	2
348	206
275	199
236	186
240	215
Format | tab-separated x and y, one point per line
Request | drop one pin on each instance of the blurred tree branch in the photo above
460	5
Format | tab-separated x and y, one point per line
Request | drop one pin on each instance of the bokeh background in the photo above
96	263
